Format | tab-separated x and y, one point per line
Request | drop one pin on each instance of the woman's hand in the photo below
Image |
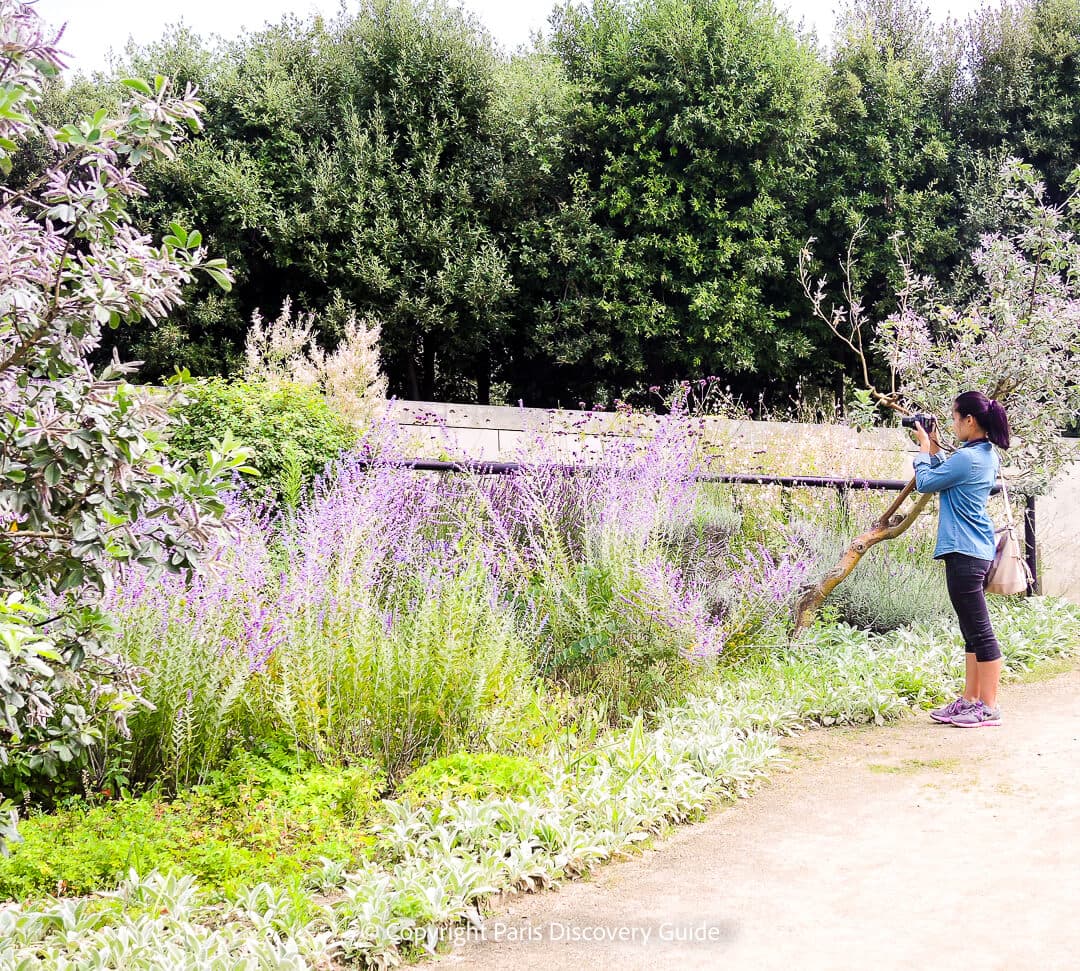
925	442
928	442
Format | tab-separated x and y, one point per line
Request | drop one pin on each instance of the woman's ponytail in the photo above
996	424
989	413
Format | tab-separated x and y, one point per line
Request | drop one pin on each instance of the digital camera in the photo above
927	421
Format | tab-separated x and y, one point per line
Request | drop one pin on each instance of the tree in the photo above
886	156
401	203
352	165
84	484
1019	91
1017	339
693	163
555	247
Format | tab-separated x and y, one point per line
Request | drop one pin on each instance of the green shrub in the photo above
478	775
706	540
253	821
887	591
604	633
291	430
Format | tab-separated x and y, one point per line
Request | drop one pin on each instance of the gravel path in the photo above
910	846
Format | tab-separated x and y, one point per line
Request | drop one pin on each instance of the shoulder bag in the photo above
1009	574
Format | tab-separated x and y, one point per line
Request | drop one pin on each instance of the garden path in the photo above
895	847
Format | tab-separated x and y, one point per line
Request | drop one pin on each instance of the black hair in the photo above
990	415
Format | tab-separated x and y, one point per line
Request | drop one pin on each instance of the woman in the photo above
966	543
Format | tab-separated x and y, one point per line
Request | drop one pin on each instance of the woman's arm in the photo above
944	475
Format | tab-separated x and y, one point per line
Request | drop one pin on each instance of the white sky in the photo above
95	26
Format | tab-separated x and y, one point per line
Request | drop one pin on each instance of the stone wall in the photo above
452	431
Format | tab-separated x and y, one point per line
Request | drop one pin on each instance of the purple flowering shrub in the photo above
401	615
609	610
198	643
753	603
367	623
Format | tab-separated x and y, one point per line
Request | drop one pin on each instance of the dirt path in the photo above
895	847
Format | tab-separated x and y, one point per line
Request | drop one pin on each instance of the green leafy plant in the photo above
445	671
252	821
290	430
479	775
895	586
85	483
431	863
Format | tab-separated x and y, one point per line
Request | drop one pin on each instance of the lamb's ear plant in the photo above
434	862
84	480
1013	336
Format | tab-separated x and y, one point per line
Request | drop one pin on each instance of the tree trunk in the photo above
428	375
483	382
888	526
410	375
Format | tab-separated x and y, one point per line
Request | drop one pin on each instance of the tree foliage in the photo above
691	157
620	205
1020	87
887	153
356	163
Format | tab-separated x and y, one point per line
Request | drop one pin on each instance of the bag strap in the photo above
1004	491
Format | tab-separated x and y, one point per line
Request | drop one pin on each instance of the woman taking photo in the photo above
965	541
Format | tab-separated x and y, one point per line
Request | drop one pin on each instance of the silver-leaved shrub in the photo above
1012	331
84	481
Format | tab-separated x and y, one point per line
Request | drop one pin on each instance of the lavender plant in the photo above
83	480
897	586
197	642
613	613
365	623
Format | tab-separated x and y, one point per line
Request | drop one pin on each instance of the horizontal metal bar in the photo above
481	467
808	481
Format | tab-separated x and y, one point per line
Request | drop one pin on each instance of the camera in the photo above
927	421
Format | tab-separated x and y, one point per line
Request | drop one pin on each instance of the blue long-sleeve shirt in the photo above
964	481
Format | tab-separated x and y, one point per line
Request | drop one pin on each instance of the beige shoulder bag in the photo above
1009	573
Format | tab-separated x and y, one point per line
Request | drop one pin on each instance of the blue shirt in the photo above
964	481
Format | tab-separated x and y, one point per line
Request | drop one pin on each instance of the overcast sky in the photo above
93	26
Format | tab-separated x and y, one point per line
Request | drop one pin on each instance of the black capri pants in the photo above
965	577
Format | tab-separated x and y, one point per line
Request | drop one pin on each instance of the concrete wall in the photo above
1057	519
452	431
503	434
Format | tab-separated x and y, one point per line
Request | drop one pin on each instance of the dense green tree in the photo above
688	169
886	153
351	164
617	207
1020	90
399	208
